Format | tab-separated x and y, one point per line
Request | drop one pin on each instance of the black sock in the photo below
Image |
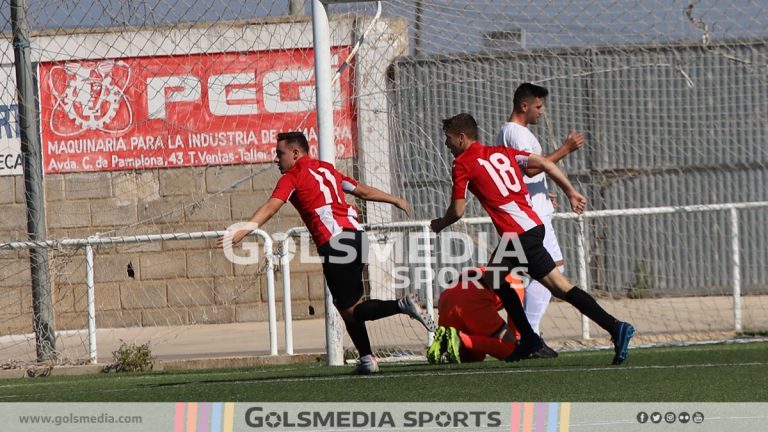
371	310
587	305
359	336
516	313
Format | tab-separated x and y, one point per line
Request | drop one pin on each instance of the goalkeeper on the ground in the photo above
470	326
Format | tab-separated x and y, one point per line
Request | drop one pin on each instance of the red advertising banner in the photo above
183	111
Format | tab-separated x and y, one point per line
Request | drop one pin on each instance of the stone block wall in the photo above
172	282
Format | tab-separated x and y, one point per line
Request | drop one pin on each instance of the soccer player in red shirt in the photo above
494	176
470	326
316	189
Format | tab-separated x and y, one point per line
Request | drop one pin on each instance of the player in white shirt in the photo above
528	106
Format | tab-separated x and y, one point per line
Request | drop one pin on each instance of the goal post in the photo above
327	152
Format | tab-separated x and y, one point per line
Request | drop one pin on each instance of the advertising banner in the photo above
10	144
183	111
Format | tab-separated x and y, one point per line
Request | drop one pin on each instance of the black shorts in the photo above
344	258
533	259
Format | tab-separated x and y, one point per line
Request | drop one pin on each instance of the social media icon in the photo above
656	417
670	417
642	417
698	417
684	417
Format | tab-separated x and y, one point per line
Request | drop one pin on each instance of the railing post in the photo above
270	269
92	354
428	289
736	266
285	268
581	261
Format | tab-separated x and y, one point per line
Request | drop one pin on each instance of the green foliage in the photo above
350	354
642	286
749	333
131	358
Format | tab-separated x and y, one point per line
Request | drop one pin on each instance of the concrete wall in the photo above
182	282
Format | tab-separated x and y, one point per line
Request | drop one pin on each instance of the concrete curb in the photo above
236	362
173	365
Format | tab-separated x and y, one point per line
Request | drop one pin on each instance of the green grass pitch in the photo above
732	372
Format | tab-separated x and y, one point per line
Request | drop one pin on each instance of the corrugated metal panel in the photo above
671	126
646	125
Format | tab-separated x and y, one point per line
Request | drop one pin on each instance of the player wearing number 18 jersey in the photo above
493	175
495	181
317	190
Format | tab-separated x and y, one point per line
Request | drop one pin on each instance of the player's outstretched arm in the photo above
453	213
578	201
370	193
573	142
259	218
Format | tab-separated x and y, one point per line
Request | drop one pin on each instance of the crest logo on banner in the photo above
93	97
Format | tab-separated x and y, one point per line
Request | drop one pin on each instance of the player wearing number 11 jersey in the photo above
317	190
494	176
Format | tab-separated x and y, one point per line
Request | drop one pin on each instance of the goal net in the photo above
161	117
652	86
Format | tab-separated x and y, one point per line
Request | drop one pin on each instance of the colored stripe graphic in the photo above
216	417
229	416
528	417
541	417
191	416
178	422
204	417
554	409
514	420
565	416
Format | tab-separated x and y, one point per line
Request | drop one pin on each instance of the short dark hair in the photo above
461	123
527	91
296	137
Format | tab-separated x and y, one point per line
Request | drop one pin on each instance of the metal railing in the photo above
89	268
423	226
581	252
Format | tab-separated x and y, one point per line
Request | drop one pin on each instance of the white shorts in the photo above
550	239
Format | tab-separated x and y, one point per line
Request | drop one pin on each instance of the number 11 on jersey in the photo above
321	180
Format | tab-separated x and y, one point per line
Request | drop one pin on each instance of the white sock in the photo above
536	301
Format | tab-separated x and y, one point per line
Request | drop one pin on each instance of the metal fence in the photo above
733	261
665	125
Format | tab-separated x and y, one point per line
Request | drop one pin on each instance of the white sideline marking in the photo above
385	375
399	375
